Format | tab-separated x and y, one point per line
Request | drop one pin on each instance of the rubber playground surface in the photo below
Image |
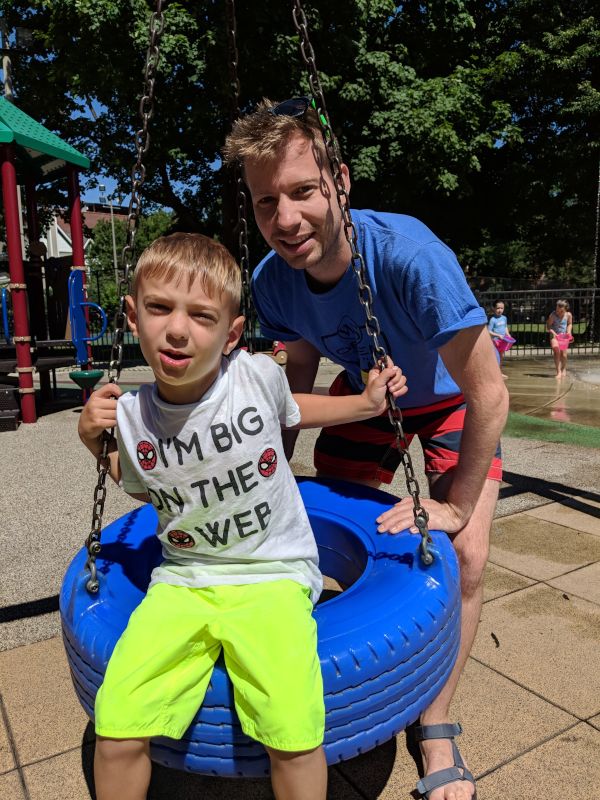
529	700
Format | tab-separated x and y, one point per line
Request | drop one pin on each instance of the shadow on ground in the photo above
367	775
551	490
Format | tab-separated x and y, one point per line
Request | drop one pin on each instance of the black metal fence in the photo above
132	354
528	310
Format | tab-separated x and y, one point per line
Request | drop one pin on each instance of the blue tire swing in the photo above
387	644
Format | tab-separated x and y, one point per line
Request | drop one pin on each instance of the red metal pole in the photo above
22	337
75	215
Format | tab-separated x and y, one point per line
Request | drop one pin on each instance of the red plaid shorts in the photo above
367	450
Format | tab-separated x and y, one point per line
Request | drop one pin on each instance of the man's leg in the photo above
472	546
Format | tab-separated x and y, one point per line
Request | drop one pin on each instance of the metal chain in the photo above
364	291
138	175
242	201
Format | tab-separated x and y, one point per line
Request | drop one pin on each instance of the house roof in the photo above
40	153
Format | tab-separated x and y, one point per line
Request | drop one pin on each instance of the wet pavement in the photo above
535	391
529	700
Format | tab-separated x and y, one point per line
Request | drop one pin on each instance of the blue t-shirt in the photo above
498	325
420	297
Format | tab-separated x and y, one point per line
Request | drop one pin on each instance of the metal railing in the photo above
132	354
528	310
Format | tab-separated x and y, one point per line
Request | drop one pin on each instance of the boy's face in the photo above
183	334
499	309
297	212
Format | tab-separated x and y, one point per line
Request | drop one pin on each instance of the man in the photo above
306	294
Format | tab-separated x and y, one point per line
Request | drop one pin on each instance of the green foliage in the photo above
479	116
104	279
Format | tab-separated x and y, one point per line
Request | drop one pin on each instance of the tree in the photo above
475	115
103	288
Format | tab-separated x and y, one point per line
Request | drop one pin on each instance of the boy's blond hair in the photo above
197	257
262	136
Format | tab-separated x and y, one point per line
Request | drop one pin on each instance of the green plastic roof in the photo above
40	153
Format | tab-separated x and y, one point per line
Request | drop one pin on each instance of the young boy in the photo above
240	569
498	324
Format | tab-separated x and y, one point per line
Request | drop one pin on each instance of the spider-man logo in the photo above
146	453
267	463
180	539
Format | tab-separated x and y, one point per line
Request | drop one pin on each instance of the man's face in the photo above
297	211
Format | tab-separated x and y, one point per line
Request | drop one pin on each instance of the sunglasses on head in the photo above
296	107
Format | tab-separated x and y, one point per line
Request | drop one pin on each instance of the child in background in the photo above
560	321
240	569
498	328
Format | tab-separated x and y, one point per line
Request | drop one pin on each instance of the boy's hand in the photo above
99	413
380	381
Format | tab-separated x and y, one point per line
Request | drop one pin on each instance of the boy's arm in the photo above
301	370
319	411
100	414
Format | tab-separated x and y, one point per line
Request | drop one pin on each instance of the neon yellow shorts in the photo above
157	677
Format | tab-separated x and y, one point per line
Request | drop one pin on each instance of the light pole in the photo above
110	198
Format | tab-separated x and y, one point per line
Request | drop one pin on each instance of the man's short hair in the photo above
261	136
195	257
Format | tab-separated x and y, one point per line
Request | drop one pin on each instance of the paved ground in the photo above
530	697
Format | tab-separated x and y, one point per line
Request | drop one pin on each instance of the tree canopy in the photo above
478	116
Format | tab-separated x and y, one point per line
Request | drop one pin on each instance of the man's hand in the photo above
442	517
380	382
99	413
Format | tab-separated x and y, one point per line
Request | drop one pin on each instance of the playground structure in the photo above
31	155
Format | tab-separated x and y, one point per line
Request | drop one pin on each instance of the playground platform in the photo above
529	701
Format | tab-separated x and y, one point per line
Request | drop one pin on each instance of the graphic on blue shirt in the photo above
350	343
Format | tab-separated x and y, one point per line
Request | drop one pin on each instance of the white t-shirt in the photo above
228	506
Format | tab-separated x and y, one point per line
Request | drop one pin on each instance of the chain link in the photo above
378	351
138	175
242	201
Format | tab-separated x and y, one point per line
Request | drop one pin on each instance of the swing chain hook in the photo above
247	307
138	175
378	351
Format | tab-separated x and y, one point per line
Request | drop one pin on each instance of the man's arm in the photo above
473	366
301	371
470	360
